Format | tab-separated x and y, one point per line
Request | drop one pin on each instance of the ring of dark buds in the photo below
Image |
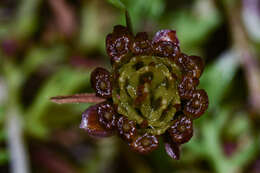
104	119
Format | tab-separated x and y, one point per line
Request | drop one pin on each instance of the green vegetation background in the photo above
49	47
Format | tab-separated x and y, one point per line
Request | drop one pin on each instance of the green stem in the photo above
128	22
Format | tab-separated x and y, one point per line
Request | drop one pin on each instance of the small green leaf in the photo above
4	156
218	76
38	56
26	21
65	81
118	4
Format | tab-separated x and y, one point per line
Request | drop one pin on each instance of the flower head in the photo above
150	92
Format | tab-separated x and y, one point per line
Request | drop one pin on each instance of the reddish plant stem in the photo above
248	60
77	98
64	17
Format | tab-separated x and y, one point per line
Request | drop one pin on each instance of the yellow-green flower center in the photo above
146	91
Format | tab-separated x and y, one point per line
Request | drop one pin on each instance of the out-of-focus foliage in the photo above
49	48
